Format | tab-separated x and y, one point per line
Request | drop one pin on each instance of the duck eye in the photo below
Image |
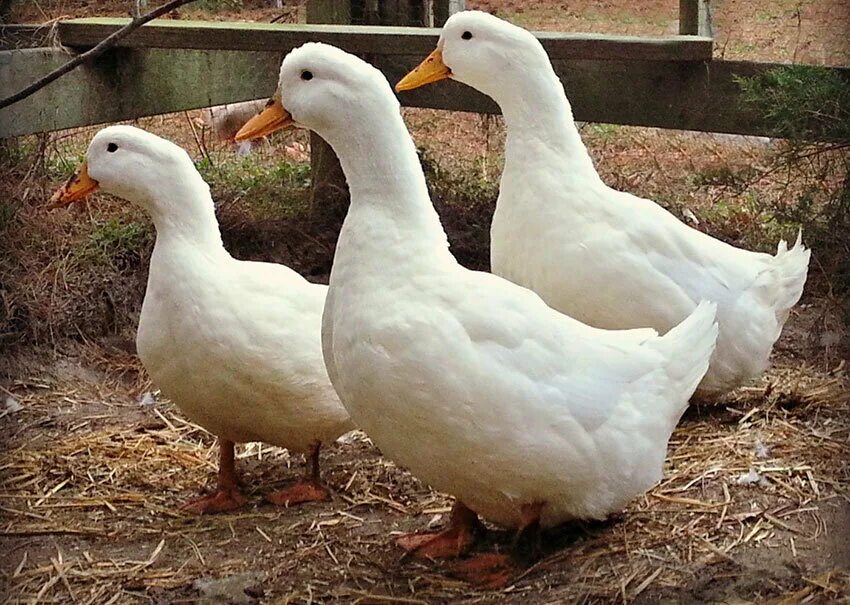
112	148
306	75
466	35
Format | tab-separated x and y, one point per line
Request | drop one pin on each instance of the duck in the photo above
528	417
223	121
605	257
236	345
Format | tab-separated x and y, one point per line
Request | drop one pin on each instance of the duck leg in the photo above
309	489
226	495
495	570
453	541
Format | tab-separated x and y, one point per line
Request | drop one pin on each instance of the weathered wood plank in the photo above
328	11
688	16
684	96
130	83
126	83
677	95
440	11
695	17
329	189
364	39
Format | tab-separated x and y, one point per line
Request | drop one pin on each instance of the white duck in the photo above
605	257
527	416
235	344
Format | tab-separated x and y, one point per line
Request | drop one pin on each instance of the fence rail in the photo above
168	66
382	39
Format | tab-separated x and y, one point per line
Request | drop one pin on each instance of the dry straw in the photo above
90	483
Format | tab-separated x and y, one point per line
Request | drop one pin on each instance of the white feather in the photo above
235	344
606	257
468	380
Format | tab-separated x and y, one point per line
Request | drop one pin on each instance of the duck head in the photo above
326	90
132	164
482	51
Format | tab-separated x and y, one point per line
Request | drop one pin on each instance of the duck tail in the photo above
789	271
688	347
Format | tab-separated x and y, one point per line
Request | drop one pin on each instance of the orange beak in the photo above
272	118
76	188
432	69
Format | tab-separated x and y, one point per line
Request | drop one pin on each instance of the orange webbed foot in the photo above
221	500
447	544
488	570
300	493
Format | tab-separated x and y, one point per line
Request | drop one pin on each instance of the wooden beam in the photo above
130	83
684	96
440	11
125	83
695	18
329	189
329	11
365	39
688	16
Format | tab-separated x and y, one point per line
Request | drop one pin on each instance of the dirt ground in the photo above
754	507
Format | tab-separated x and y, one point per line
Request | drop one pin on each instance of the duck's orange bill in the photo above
76	188
432	69
273	117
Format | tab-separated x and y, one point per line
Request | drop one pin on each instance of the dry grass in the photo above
81	271
754	505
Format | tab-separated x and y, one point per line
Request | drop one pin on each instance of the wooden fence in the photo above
168	66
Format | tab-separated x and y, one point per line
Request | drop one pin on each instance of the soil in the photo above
95	467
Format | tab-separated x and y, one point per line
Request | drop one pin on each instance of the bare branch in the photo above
90	54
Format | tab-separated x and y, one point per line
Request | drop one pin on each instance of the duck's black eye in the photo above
306	75
466	35
112	148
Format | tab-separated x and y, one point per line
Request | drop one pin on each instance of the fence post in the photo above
695	17
441	10
329	191
329	194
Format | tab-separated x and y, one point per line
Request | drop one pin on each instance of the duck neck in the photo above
184	216
388	190
540	122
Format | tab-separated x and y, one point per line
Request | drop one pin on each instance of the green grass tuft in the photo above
274	190
114	243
